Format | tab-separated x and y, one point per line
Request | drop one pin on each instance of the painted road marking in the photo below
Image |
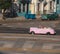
28	44
41	38
8	45
49	46
31	50
29	47
1	43
27	35
15	53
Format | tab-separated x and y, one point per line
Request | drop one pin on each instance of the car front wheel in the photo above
48	33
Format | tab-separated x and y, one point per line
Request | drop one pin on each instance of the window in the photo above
50	4
19	8
41	0
57	1
23	7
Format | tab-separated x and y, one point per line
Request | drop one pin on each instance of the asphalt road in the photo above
28	46
20	30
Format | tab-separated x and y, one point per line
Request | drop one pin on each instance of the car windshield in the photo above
41	26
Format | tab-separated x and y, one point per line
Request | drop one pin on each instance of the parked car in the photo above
30	16
51	16
42	30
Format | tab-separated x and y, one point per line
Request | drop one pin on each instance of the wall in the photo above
33	7
58	8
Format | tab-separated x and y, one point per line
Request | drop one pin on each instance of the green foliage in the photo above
5	4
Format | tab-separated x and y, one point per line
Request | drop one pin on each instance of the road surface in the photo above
16	40
30	46
20	30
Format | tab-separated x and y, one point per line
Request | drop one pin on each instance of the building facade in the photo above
36	7
58	7
43	6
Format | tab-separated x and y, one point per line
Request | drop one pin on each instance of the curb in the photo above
19	19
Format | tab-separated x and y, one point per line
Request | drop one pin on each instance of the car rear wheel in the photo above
32	33
48	33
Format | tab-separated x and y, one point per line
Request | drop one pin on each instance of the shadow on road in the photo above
14	30
20	30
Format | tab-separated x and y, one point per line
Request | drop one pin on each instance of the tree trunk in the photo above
3	12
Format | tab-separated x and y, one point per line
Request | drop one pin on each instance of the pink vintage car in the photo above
42	30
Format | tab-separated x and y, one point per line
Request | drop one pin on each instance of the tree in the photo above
5	4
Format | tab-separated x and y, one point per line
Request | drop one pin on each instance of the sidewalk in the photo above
12	20
23	19
22	22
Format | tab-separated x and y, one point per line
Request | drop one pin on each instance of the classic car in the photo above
42	30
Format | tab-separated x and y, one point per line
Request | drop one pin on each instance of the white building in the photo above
37	6
43	6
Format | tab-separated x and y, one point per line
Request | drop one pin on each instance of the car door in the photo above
36	30
41	30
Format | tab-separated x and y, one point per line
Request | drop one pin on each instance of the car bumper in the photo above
53	33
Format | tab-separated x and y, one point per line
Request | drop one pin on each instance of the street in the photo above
19	18
18	41
15	39
30	46
20	30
